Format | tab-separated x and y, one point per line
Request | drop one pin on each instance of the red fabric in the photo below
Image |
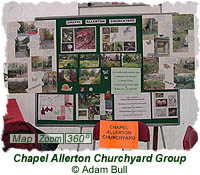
143	130
19	128
190	138
13	111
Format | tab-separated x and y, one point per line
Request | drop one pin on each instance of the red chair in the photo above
190	138
143	130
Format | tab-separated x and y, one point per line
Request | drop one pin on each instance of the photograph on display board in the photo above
90	76
94	107
46	38
21	46
182	24
132	60
78	39
27	28
68	61
55	107
184	72
89	60
162	45
17	77
49	80
41	63
110	60
153	79
88	106
118	39
149	28
67	75
165	104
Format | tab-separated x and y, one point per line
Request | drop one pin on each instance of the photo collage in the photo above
32	43
168	47
165	105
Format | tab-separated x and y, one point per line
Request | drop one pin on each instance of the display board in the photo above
87	68
100	74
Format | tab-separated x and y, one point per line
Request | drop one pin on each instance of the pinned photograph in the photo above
17	85
153	79
108	47
172	111
129	46
184	73
68	61
161	102
67	35
85	38
182	24
106	38
67	47
27	28
90	76
91	103
67	75
46	38
110	60
106	30
132	60
41	63
49	82
89	60
21	47
161	112
161	45
149	28
17	70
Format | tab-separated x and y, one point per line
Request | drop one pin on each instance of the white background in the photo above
173	135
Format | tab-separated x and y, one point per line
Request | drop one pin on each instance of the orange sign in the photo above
118	134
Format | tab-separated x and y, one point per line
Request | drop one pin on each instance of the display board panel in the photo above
99	65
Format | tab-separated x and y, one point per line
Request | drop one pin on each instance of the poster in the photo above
78	39
94	107
165	105
125	81
118	39
132	107
55	107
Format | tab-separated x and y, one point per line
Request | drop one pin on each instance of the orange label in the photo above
118	134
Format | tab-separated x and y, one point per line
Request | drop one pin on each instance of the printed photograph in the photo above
68	61
172	100
90	76
17	85
110	60
172	111
153	80
26	28
67	35
46	38
21	48
17	70
159	95
41	63
181	25
129	46
114	29
91	102
106	30
67	75
85	38
161	112
149	28
108	47
161	102
161	45
184	73
89	60
106	38
67	47
119	46
49	82
133	60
